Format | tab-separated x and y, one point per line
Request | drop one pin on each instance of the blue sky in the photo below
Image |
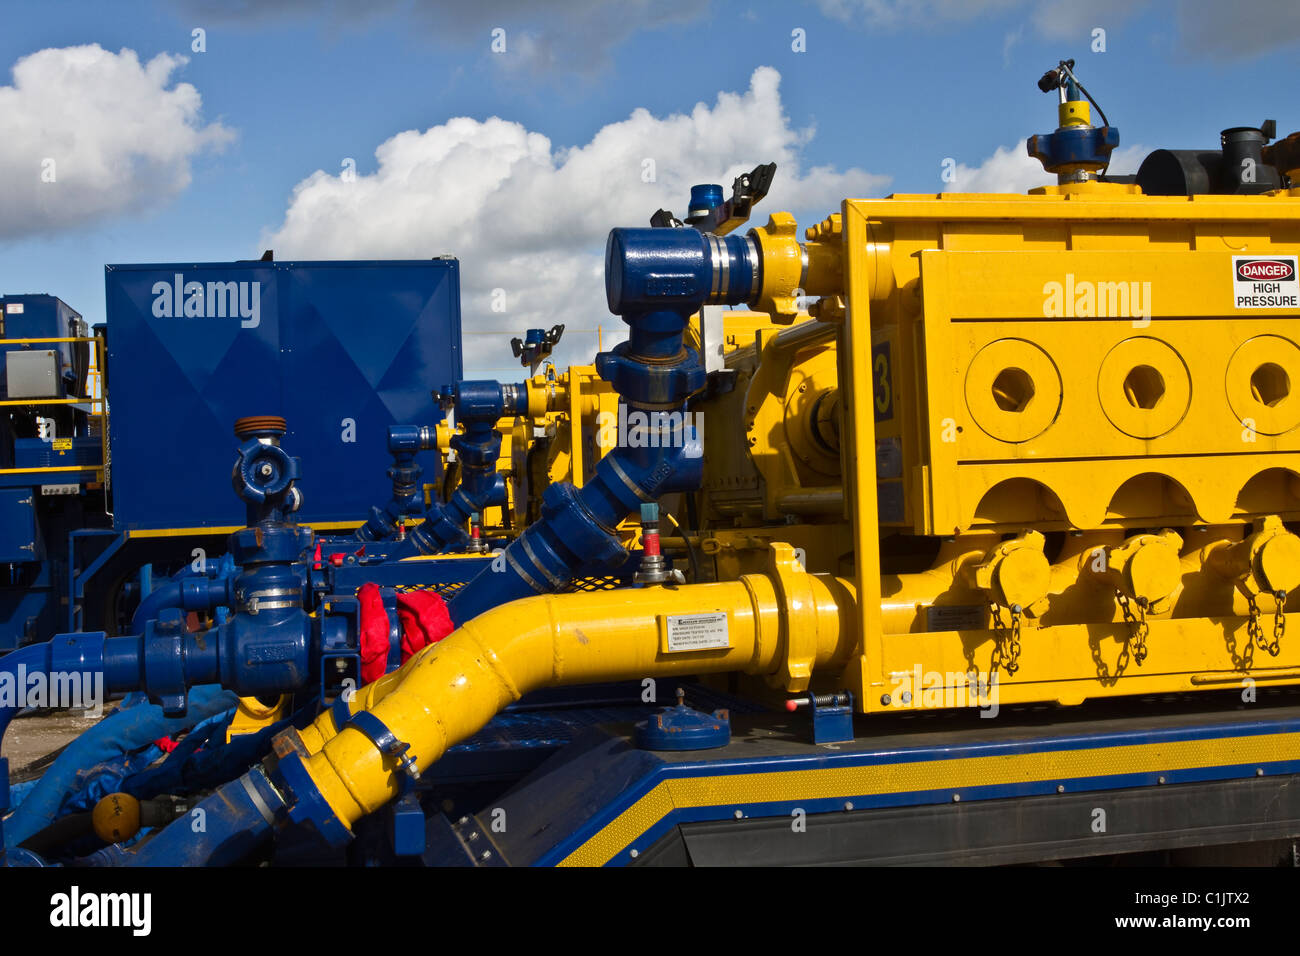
882	94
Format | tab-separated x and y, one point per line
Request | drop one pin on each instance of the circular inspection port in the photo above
1144	387
1270	384
1013	389
1258	384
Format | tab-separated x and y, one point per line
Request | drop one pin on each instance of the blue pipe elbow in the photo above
189	591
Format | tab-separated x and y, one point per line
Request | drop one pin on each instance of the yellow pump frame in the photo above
915	263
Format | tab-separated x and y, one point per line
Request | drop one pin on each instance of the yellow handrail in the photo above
92	338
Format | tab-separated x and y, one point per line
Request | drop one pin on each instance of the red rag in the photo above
167	744
424	620
423	617
374	633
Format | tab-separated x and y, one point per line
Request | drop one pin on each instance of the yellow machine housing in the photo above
1036	430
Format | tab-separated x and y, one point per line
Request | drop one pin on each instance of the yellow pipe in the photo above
1207	591
451	689
1077	594
906	598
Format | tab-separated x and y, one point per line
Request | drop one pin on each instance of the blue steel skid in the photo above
597	773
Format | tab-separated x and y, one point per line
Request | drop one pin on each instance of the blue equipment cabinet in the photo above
341	350
18	542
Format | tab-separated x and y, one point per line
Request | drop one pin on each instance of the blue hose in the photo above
26	658
120	733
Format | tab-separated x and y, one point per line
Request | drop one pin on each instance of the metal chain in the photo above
1255	630
1137	625
1279	623
1010	640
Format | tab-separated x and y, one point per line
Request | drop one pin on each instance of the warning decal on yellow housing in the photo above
1265	282
696	632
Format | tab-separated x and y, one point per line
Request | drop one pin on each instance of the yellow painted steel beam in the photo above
231	529
48	401
47	470
43	341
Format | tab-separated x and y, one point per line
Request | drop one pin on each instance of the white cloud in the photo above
1012	170
531	218
116	137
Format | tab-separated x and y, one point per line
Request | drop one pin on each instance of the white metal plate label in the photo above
696	632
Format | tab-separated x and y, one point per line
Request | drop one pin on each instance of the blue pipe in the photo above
576	527
237	818
164	596
251	654
265	648
655	279
479	406
188	590
404	443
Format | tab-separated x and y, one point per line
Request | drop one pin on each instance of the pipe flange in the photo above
799	637
260	426
640	382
